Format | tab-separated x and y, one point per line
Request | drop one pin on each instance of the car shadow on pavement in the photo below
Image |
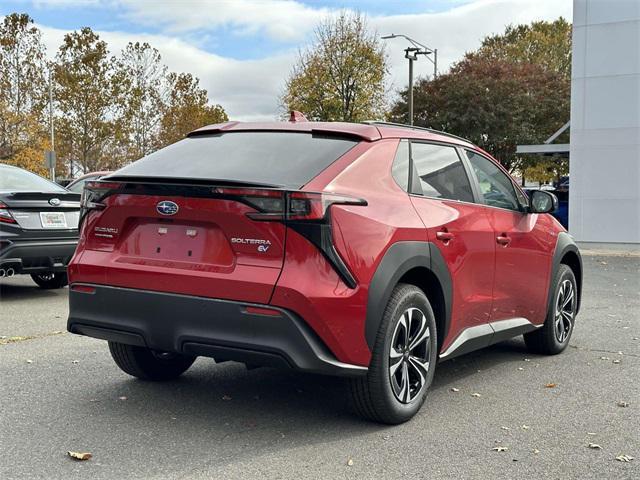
260	408
11	291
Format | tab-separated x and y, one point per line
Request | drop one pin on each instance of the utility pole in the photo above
410	86
50	155
411	54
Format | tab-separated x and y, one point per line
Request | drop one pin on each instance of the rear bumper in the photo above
224	330
33	256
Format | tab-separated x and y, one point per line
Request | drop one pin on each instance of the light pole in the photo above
411	54
50	155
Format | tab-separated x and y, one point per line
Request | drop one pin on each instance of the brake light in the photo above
279	205
93	194
5	215
308	213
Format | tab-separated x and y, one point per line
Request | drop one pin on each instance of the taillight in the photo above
93	194
308	213
5	215
279	205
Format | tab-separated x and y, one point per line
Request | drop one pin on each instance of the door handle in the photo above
444	236
503	239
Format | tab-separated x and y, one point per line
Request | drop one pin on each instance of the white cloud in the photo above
459	30
282	20
249	89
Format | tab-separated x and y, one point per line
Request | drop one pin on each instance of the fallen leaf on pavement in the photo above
624	458
551	385
79	455
595	446
500	449
622	404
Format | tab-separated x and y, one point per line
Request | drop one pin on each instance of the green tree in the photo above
186	108
495	104
87	96
341	77
504	94
547	44
143	80
22	87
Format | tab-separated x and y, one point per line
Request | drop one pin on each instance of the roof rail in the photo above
414	127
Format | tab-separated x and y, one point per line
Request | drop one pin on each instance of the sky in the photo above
243	50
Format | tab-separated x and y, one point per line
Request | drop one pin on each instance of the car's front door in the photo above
442	195
522	245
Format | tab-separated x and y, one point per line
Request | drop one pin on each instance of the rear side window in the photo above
271	158
400	168
441	172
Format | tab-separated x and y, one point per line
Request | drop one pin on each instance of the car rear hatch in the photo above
202	217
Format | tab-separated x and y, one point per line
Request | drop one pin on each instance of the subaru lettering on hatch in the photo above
167	207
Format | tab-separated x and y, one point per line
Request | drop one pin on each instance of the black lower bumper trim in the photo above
221	329
40	256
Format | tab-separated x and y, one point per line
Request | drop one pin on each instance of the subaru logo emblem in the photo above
167	207
54	201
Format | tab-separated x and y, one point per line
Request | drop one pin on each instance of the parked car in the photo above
38	227
77	185
562	194
371	251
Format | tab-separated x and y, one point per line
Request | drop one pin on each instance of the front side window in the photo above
496	187
440	172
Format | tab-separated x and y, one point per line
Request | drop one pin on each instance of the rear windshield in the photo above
14	179
284	159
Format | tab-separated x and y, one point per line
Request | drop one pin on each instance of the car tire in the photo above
50	280
148	364
554	335
383	395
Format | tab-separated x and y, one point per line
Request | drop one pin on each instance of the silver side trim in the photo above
480	336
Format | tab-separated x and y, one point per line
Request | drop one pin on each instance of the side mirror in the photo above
543	202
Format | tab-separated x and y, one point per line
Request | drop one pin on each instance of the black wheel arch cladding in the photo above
400	258
566	245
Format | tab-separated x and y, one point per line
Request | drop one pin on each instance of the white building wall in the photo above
604	196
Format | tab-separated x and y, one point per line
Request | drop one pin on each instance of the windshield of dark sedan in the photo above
13	179
272	158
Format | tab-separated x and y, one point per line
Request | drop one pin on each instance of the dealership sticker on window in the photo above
53	220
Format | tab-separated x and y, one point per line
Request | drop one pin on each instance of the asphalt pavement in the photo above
61	392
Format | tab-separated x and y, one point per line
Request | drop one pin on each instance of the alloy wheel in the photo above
565	311
409	355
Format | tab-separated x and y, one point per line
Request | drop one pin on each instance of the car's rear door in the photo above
442	195
522	244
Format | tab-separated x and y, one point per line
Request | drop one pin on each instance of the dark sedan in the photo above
38	227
